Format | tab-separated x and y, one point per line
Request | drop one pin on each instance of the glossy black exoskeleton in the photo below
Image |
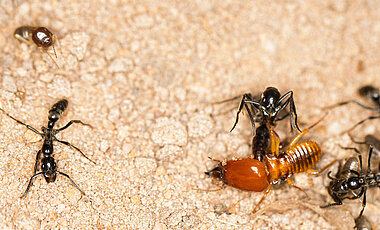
351	182
47	162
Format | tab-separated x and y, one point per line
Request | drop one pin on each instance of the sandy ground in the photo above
145	74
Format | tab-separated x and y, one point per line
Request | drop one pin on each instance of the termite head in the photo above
217	172
245	174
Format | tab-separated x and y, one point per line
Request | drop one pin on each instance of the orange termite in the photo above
253	175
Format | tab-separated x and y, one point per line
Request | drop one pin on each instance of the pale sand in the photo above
145	73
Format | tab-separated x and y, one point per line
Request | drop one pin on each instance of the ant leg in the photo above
293	112
43	50
364	203
355	102
369	159
37	158
361	122
56	40
30	184
329	176
72	182
303	132
355	141
76	148
22	123
332	204
290	182
241	105
316	172
72	122
228	100
262	198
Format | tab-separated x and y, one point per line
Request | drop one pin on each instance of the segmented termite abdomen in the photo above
302	156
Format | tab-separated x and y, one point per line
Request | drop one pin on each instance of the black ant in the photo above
371	93
265	110
351	182
48	165
40	36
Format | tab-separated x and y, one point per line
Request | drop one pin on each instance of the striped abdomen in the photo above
302	156
298	158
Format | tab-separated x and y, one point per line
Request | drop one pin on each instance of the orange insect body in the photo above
253	175
246	174
298	158
259	176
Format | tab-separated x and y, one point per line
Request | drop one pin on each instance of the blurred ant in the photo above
363	223
40	36
371	93
47	162
351	182
253	175
370	140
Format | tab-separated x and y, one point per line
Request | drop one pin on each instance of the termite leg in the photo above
275	142
290	182
316	172
296	138
262	198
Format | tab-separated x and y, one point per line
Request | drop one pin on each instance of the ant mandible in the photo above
48	165
40	36
351	182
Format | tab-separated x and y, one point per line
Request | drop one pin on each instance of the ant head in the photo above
49	168
269	101
339	187
43	37
369	92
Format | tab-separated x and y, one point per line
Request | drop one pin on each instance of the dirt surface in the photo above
144	74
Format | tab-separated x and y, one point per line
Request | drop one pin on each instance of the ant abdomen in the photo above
24	34
57	110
